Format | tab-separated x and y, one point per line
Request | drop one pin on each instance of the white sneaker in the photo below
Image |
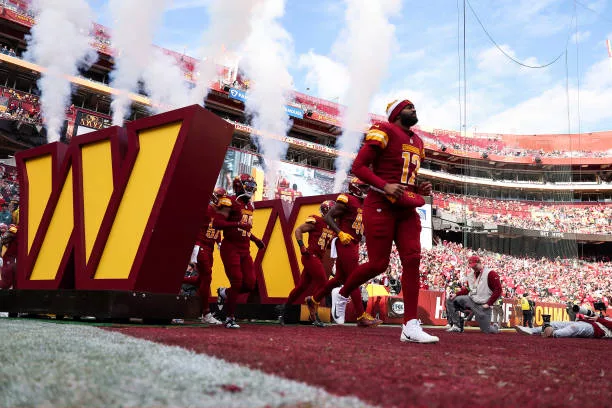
338	306
523	330
454	329
495	328
412	332
210	319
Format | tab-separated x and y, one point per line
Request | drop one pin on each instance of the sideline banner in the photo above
390	309
237	94
294	112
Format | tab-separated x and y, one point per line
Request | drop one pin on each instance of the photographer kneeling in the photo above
484	289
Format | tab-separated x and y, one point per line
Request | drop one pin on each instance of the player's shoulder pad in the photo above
312	219
342	198
378	134
225	202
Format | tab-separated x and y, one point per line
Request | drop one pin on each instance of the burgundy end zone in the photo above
465	370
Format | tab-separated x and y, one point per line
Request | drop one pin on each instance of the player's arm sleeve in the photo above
495	286
361	165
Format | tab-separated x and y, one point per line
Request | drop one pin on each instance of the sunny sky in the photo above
502	96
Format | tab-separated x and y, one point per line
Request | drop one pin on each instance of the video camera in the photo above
598	306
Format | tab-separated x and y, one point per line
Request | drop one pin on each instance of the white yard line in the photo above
49	364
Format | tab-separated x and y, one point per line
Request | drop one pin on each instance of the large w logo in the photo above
119	208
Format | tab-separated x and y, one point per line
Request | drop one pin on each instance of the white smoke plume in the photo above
165	83
228	29
368	45
60	42
267	54
134	25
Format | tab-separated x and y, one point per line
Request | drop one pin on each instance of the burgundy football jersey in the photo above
239	212
401	153
350	221
319	238
207	236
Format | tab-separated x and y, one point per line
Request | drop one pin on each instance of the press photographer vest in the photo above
479	286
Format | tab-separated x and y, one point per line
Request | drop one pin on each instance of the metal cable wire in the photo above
510	57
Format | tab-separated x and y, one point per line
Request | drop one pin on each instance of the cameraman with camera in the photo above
587	325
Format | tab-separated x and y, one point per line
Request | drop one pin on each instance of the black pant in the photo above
527	318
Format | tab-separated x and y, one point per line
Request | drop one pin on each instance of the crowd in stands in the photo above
8	51
9	195
496	147
17	105
19	6
444	268
589	218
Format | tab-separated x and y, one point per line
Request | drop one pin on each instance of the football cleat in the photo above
313	312
230	323
366	320
208	318
338	306
413	333
280	310
221	297
318	323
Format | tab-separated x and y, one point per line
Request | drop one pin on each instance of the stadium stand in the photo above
482	182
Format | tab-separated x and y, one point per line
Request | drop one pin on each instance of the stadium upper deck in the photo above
526	164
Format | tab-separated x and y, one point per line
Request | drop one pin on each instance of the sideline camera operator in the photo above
587	325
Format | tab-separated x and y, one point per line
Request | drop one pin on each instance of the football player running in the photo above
345	219
319	238
235	217
389	161
208	236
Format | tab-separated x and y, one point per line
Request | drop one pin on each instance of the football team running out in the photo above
380	205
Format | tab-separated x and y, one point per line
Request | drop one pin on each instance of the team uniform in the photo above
395	156
314	273
235	250
347	261
208	236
